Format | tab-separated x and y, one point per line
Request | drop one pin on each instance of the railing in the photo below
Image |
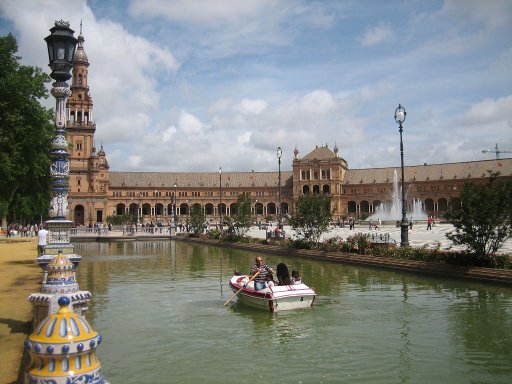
120	231
381	239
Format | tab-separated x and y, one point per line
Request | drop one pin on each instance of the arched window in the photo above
120	209
326	189
442	204
429	205
305	189
208	209
316	189
351	207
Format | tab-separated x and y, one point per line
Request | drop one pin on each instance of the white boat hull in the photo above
275	298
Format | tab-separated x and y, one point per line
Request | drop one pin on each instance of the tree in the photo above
311	217
197	219
484	221
243	216
25	137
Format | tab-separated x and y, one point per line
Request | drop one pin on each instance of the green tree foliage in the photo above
243	218
25	137
484	221
311	217
197	219
127	218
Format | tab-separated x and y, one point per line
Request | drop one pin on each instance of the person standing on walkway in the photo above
42	238
429	223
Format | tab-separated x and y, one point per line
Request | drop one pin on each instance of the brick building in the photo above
96	192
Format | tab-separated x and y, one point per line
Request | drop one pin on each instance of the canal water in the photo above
159	306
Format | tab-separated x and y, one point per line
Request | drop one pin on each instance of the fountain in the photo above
392	211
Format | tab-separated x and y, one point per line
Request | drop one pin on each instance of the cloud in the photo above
247	106
204	13
381	33
489	110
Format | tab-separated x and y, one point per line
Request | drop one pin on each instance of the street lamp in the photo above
279	154
400	115
61	46
220	197
139	209
174	200
156	207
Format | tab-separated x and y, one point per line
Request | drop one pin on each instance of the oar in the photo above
236	293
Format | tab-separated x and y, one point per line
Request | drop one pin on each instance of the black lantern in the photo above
61	48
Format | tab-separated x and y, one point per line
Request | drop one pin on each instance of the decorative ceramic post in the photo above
61	281
61	48
63	350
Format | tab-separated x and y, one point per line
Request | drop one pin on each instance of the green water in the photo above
159	307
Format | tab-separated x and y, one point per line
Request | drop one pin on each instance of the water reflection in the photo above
160	308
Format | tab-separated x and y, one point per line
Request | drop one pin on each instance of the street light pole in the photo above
400	115
156	207
139	209
61	46
174	208
220	197
279	154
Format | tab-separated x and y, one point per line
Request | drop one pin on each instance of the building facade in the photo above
96	192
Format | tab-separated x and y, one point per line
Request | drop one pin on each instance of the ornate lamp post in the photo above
279	154
61	48
400	115
220	197
174	199
155	193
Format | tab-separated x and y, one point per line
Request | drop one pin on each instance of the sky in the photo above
194	85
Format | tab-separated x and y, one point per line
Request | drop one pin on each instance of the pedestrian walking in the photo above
42	238
429	223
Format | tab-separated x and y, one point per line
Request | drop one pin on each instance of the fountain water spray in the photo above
392	211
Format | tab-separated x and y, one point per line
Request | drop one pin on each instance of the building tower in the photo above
321	171
88	173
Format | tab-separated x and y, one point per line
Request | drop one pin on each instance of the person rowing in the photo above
263	269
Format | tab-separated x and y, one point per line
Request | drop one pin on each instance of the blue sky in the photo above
191	85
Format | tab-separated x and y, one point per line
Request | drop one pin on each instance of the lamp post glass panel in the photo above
279	153
400	115
220	198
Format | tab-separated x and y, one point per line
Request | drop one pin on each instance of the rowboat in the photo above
274	298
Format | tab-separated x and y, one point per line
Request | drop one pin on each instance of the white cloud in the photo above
168	134
381	33
190	125
200	12
490	110
254	107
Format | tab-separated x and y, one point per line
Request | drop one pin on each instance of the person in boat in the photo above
296	277
283	276
270	280
263	269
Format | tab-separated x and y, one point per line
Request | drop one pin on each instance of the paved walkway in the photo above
418	236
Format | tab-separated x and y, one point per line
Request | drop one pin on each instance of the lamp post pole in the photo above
156	207
61	46
279	154
174	208
220	198
400	115
139	209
